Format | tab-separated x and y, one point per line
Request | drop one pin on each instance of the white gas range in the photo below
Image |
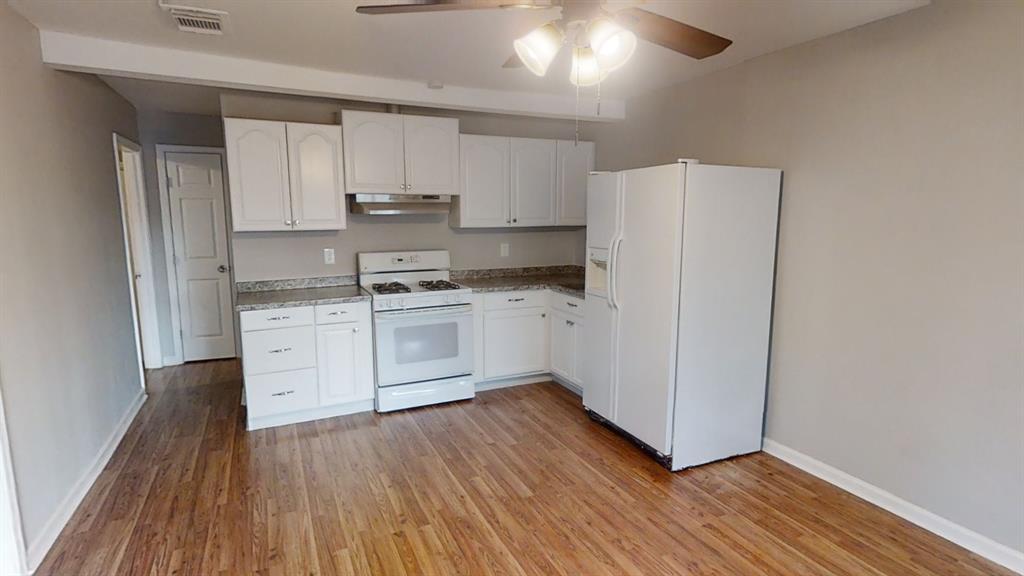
423	328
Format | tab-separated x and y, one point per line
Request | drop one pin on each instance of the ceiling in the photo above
454	48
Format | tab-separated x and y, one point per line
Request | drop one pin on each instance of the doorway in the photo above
200	282
135	226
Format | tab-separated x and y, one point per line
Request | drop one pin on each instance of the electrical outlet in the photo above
328	255
504	250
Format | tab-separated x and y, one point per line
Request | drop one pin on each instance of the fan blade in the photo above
416	6
671	34
513	62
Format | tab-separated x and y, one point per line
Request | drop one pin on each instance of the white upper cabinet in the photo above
532	168
575	162
431	155
315	165
257	155
484	179
374	152
284	176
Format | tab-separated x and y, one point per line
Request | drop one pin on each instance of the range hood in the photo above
385	204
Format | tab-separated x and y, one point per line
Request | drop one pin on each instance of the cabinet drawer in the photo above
346	312
276	318
567	304
278	350
521	299
281	392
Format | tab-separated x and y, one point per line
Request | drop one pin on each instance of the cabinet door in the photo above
484	181
533	181
315	166
515	342
577	355
431	155
344	363
374	152
563	345
575	161
257	152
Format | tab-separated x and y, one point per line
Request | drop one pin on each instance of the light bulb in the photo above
538	48
613	45
585	71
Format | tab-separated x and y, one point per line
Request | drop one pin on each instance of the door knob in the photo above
222	268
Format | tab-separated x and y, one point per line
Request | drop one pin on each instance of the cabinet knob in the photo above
570	323
515	220
287	222
356	329
543	315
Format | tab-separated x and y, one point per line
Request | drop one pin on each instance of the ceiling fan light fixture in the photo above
613	45
585	71
538	48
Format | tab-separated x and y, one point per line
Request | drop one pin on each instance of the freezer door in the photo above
644	290
602	198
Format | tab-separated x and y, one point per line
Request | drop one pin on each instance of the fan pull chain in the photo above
576	139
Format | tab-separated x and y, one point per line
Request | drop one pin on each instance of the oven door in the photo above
427	344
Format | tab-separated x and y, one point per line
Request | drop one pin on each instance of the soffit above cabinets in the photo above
326	49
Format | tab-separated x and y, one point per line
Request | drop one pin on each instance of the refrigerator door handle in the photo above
613	272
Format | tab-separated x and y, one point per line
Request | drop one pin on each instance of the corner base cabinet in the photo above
307	362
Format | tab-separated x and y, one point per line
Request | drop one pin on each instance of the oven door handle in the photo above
441	311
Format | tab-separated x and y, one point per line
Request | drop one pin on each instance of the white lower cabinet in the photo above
515	342
307	362
563	345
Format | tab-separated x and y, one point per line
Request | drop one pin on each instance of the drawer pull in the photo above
276	318
516	299
571	305
337	313
285	393
280	350
570	323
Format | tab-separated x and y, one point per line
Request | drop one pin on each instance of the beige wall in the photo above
897	351
157	127
67	346
259	256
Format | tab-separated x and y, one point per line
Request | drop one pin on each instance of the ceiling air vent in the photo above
197	20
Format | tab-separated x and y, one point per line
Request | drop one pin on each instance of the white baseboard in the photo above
485	385
567	385
38	548
955	533
173	361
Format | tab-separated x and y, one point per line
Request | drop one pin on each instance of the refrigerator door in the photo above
599	356
728	267
645	292
602	209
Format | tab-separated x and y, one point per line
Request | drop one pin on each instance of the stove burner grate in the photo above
390	288
434	285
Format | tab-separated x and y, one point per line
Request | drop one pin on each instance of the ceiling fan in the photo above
602	34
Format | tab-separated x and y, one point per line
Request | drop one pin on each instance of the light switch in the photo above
328	255
504	250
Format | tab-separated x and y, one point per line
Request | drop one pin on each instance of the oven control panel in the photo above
406	301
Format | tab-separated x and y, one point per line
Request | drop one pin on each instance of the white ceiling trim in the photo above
85	54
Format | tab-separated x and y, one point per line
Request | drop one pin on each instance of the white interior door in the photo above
315	168
484	181
196	188
533	181
431	155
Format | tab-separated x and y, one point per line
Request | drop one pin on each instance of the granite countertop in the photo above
269	299
569	284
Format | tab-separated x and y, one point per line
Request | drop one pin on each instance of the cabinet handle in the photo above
570	323
285	393
516	299
276	318
571	305
337	313
280	350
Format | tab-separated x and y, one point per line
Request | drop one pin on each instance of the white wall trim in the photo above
178	357
137	249
12	536
38	548
84	54
955	533
494	384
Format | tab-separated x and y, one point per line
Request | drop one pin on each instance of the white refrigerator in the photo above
679	285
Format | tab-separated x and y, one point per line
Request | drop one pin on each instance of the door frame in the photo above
178	357
144	316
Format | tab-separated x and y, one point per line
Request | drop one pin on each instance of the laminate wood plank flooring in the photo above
518	481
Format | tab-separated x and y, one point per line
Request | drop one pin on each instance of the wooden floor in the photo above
518	481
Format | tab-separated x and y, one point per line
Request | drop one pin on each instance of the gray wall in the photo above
67	345
157	127
897	352
259	256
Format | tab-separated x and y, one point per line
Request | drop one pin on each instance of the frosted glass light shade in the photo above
613	45
585	71
538	48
